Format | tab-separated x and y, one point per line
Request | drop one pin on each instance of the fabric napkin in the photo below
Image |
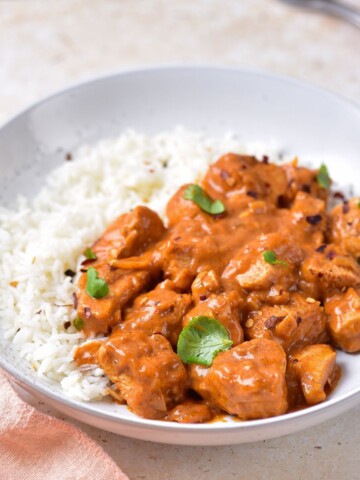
35	446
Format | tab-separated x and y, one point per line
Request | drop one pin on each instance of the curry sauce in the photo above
275	268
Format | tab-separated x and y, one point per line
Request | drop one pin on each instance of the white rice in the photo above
47	236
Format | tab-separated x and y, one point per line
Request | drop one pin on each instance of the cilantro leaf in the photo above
201	340
78	323
323	177
96	287
89	254
270	257
202	199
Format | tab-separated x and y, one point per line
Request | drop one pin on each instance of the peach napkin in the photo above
34	446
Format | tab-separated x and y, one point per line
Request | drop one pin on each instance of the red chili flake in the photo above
88	261
313	219
272	321
281	200
265	159
67	325
346	207
331	255
75	300
68	157
320	275
339	195
87	312
219	216
298	320
250	193
202	298
224	174
306	188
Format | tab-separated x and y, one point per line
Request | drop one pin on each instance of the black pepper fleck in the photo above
251	193
70	273
313	219
331	255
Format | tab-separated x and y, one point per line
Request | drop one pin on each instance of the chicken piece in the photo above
225	307
159	311
344	227
247	380
329	270
188	250
101	314
86	353
298	322
145	371
308	219
310	372
301	179
241	174
190	412
343	312
129	235
250	270
205	284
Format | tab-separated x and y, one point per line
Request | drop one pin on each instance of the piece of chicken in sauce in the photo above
249	269
247	380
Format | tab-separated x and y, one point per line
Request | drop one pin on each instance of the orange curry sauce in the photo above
284	319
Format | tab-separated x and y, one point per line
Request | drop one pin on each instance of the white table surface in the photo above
45	46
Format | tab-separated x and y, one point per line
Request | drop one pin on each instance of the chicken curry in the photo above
250	261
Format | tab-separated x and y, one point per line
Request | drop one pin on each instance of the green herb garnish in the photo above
89	254
201	340
202	199
323	177
270	257
78	323
359	204
96	287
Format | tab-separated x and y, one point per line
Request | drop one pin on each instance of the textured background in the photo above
48	45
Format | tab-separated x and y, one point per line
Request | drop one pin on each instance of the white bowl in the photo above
296	117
